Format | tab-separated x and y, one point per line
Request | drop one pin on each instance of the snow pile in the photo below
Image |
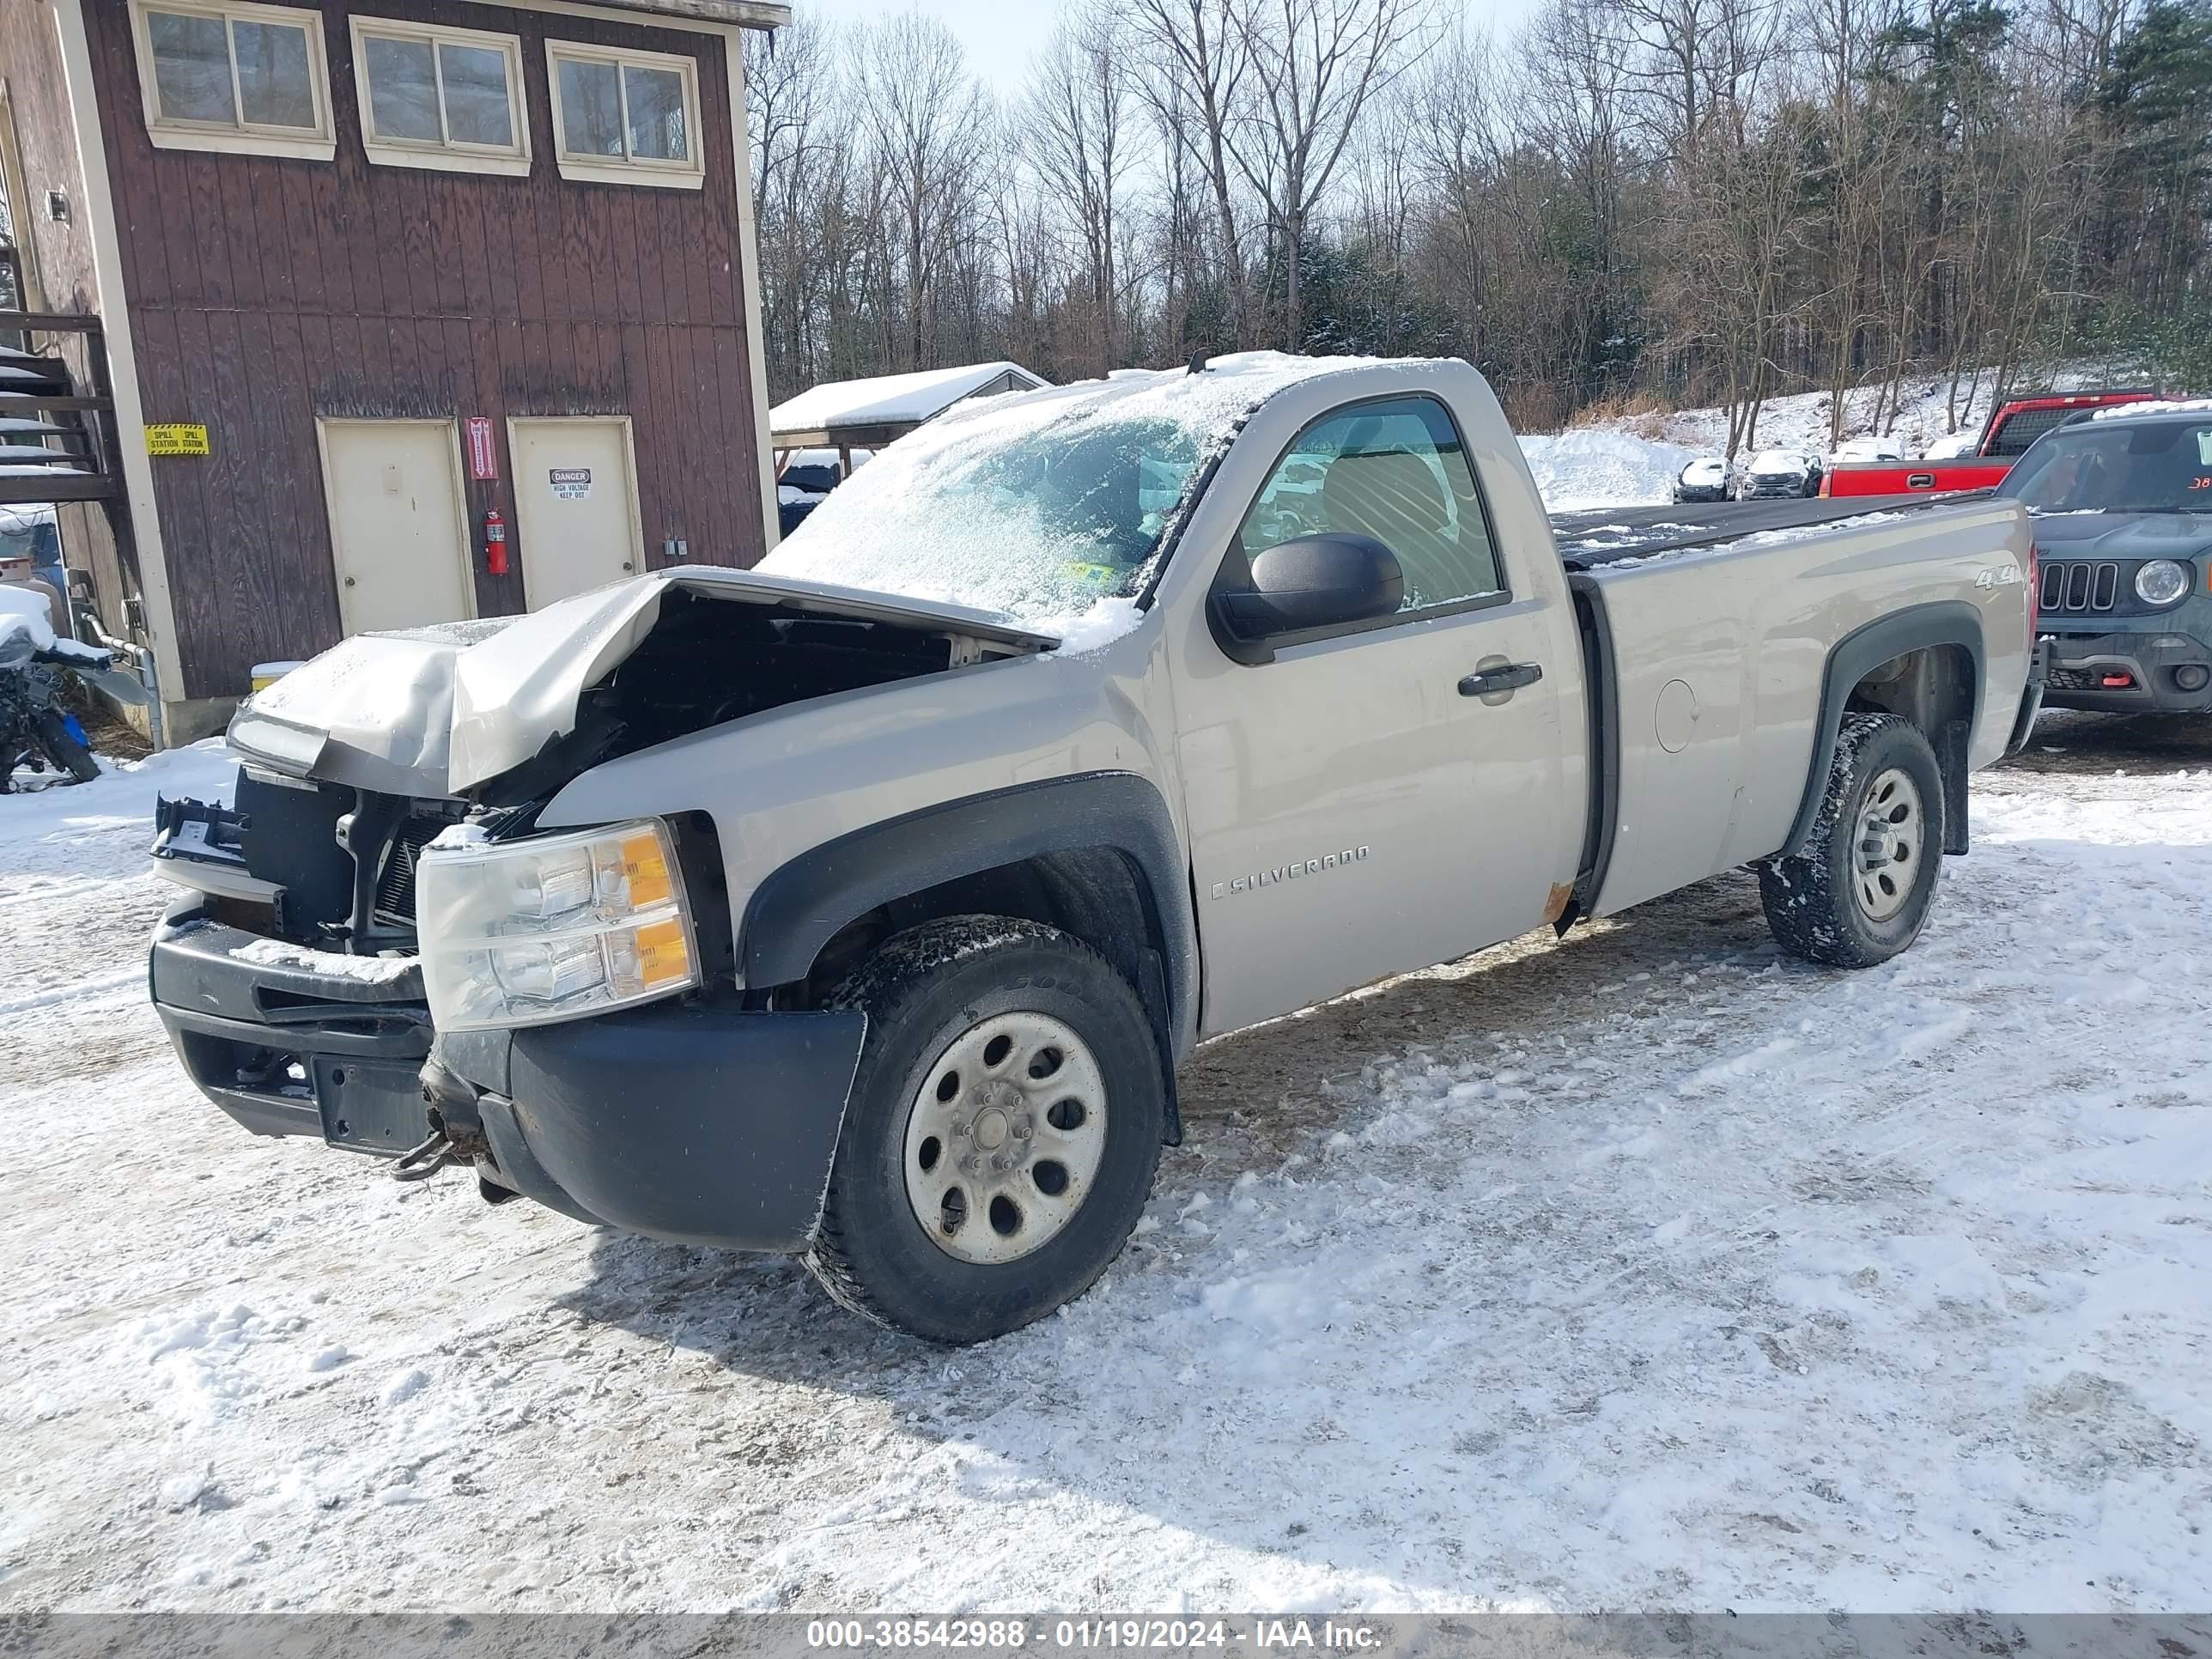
1092	629
2160	406
27	613
80	826
1921	422
1650	1269
1598	466
26	616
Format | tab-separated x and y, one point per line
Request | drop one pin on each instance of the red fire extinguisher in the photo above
494	542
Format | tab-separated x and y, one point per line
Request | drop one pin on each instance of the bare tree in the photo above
927	127
1316	65
1078	138
1202	95
1635	202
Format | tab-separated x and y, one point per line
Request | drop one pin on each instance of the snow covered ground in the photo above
1799	422
1650	1269
1601	466
1634	462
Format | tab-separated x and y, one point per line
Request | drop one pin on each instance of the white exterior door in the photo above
399	528
575	503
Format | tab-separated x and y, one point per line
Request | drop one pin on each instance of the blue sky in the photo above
1003	35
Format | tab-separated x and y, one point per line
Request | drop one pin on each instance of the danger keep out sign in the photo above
570	484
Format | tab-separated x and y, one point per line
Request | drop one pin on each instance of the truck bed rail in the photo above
1592	540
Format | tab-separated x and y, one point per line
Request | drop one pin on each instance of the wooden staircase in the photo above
57	439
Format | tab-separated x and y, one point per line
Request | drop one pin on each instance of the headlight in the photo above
554	927
2162	581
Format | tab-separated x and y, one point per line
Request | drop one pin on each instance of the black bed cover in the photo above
1590	540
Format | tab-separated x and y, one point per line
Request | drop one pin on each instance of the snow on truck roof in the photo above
1216	398
894	399
2147	411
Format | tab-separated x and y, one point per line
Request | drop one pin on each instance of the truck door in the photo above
1357	805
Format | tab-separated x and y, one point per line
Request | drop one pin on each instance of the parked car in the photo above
790	910
2011	430
804	483
1869	449
1781	475
2122	502
1706	479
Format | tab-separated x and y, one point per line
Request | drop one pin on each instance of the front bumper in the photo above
286	1049
2149	665
701	1126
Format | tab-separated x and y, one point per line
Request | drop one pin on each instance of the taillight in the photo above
2034	592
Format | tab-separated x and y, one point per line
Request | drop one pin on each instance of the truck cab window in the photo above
1396	471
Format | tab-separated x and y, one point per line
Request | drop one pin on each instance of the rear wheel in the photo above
62	747
1860	892
1002	1134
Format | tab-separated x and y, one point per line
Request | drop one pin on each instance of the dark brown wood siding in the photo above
266	292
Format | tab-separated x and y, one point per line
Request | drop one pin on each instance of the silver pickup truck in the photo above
862	905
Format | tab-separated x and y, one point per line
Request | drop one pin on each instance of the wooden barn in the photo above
317	299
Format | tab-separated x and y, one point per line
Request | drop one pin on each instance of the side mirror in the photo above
1316	581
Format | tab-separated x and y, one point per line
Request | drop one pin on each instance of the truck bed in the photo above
1709	664
1591	540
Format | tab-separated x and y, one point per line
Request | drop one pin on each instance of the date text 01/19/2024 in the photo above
1013	1635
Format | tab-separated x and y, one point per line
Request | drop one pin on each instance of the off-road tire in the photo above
64	750
1812	904
920	991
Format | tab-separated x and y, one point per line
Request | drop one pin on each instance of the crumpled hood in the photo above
435	711
2123	535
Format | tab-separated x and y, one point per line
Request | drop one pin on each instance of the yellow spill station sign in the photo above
177	438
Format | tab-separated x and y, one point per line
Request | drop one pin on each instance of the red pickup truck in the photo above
2004	440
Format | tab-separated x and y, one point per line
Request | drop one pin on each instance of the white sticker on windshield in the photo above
2205	446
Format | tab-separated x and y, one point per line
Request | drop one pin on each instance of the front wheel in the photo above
65	748
1860	892
1002	1134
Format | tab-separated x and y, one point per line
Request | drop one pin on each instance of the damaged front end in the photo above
286	972
291	972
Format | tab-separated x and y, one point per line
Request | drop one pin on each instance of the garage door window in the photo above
233	77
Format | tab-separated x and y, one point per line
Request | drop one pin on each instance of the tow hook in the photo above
424	1161
457	1134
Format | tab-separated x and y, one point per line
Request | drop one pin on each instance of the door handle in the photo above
1489	682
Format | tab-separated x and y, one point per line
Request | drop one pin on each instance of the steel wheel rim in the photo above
1004	1138
1892	845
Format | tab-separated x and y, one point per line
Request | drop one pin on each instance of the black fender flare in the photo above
805	902
1858	653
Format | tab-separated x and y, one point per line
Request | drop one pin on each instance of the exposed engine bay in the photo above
309	853
707	663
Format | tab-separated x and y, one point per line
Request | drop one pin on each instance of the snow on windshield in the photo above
1039	505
